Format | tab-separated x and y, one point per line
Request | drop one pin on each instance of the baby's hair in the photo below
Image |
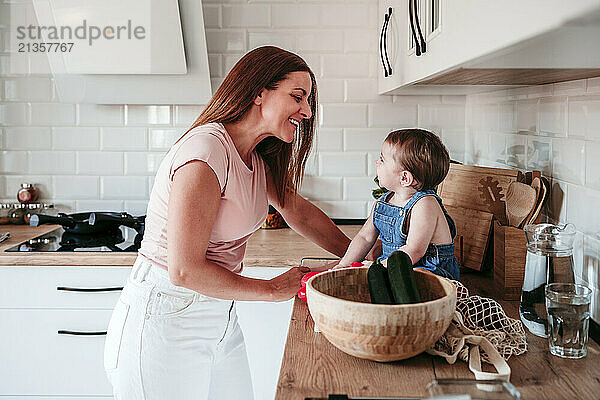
421	153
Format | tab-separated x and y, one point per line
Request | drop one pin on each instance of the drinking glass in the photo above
568	308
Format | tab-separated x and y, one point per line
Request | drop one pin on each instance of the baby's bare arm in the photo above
361	243
424	218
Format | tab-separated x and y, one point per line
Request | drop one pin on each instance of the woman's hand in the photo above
286	285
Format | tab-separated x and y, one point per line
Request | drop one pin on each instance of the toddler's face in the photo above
387	171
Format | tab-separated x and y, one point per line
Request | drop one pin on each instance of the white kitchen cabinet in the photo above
38	362
43	351
487	39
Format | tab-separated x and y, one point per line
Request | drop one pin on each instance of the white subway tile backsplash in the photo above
508	117
527	116
417	99
13	162
141	163
98	205
229	60
537	91
245	16
124	138
331	90
498	148
571	88
371	168
76	187
343	209
539	154
342	164
451	116
391	116
364	90
552	114
360	40
186	115
345	65
51	162
320	40
364	139
516	151
454	140
75	138
350	15
30	89
359	188
100	115
343	115
14	114
212	15
136	207
582	205
148	115
99	163
215	65
568	160
584	117
53	114
124	187
225	41
25	138
453	99
295	16
163	139
285	40
321	188
329	139
592	165
593	85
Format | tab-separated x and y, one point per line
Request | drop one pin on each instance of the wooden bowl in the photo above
340	304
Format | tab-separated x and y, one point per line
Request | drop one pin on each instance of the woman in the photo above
174	332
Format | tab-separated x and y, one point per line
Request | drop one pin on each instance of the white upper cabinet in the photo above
456	46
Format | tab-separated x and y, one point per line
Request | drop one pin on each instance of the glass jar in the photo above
4	211
16	214
30	209
28	193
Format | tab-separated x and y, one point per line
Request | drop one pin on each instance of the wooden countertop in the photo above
265	248
314	368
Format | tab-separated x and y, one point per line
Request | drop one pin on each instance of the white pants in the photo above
169	342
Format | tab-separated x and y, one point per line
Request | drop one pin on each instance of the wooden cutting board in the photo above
460	188
472	235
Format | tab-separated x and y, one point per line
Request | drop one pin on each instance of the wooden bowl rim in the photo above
443	281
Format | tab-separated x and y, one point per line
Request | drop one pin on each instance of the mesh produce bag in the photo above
481	323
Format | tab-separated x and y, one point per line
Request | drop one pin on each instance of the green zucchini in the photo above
402	278
379	284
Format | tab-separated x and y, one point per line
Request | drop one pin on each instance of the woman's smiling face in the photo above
286	106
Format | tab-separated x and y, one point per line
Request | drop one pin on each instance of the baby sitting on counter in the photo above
410	215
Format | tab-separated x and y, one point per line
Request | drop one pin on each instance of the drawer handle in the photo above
63	332
72	289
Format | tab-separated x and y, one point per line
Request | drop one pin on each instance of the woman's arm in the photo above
309	221
192	210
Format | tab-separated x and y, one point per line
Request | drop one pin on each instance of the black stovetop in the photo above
121	239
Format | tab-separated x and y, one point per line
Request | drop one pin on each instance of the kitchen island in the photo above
314	368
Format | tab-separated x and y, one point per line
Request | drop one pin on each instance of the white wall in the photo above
556	129
94	157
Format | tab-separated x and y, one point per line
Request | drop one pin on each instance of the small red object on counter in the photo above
305	278
356	264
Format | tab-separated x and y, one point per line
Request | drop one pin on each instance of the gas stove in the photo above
119	239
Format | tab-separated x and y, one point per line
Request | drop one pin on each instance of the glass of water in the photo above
568	307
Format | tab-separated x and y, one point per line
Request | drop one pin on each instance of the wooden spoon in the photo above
538	207
536	183
520	200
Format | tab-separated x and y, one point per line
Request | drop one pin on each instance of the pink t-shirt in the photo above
243	207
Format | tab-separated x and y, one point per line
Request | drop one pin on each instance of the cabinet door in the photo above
393	43
62	287
265	326
37	360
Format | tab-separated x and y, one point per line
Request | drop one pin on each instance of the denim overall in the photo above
389	222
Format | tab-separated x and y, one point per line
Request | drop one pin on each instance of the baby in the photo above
410	216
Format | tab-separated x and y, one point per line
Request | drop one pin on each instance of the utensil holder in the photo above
510	251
